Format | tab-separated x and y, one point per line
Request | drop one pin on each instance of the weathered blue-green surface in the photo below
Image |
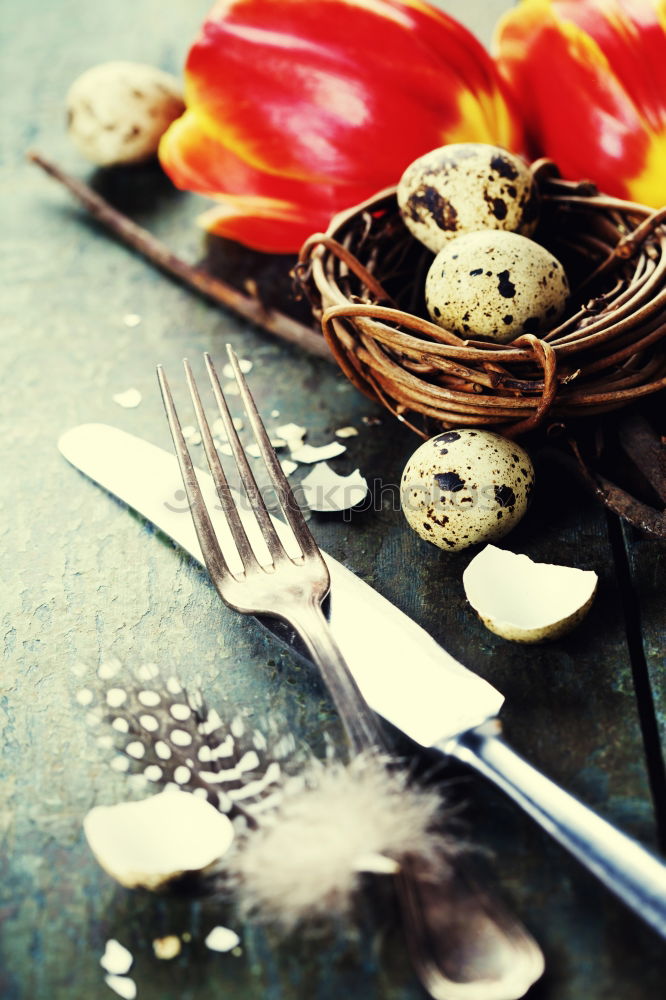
84	580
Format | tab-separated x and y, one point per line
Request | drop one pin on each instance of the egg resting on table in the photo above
463	187
466	486
496	285
118	111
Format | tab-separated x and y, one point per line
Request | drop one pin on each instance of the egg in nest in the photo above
466	486
464	187
496	285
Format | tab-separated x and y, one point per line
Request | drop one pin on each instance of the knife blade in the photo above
415	684
147	478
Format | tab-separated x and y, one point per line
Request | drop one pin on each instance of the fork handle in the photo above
463	944
360	722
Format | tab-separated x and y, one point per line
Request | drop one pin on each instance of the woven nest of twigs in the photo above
365	279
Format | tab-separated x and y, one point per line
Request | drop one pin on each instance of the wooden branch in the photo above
144	243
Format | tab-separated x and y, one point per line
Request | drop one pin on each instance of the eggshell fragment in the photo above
148	843
309	454
293	434
466	486
129	399
124	986
117	959
464	187
524	600
495	285
118	111
168	947
222	939
328	492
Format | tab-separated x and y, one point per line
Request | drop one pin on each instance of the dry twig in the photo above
144	243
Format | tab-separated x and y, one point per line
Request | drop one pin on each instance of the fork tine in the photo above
271	538
284	492
210	549
238	533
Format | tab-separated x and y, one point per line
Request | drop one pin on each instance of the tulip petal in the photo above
261	224
297	110
592	80
311	90
268	213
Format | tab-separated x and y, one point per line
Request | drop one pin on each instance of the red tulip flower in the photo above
297	109
591	79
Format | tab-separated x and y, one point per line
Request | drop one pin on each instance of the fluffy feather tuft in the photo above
334	822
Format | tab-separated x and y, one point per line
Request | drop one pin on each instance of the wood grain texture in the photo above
84	579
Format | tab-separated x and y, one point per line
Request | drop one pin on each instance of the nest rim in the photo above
605	353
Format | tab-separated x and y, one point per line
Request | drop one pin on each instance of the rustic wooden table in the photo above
85	580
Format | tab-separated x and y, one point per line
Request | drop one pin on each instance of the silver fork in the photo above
463	945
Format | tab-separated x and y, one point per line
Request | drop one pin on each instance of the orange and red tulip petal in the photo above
298	109
264	211
331	90
261	224
591	75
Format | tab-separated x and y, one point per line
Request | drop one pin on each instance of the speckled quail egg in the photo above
466	486
117	112
463	187
496	285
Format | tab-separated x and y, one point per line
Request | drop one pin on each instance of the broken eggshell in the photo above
309	454
466	486
117	960
527	601
327	492
149	843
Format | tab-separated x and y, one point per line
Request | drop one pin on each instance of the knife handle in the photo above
621	863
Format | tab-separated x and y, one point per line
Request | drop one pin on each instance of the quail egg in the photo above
117	112
466	486
463	187
497	285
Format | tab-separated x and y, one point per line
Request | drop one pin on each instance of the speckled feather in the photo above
305	829
167	734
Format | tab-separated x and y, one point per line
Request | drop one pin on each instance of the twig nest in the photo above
464	187
365	279
117	112
527	601
497	285
150	843
466	486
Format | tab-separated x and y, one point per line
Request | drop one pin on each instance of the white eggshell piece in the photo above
496	285
524	600
466	486
309	454
328	492
149	842
129	399
293	434
124	986
117	959
168	947
117	112
463	187
222	939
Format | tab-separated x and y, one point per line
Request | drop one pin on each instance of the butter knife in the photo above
437	702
